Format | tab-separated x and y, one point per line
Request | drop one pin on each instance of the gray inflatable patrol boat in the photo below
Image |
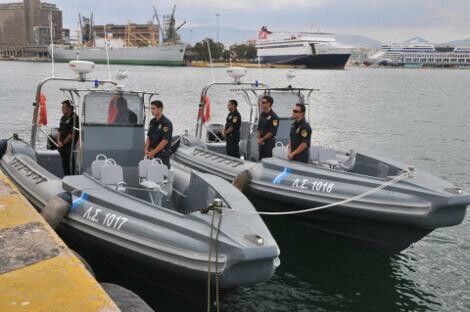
377	202
138	211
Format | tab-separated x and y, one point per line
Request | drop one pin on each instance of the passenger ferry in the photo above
309	49
420	55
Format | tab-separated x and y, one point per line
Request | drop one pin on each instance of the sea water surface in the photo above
421	117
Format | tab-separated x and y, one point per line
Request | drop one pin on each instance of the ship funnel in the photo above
82	68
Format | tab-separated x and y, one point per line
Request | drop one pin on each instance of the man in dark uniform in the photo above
67	137
124	115
300	135
267	128
159	135
232	129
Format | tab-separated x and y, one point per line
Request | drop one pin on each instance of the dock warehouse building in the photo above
25	28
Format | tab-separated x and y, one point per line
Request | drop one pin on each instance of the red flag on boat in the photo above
112	109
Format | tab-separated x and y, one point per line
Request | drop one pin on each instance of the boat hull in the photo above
320	61
386	238
388	221
136	271
161	239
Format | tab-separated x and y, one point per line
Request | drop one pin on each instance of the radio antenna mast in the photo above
52	43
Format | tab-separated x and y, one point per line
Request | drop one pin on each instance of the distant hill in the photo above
229	36
358	41
454	43
459	43
417	40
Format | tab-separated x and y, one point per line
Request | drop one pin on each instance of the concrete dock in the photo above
37	270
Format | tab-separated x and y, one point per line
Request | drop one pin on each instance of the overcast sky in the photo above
383	20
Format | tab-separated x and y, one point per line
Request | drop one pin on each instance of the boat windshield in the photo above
116	109
284	101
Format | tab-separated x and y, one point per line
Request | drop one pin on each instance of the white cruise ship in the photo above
420	55
309	49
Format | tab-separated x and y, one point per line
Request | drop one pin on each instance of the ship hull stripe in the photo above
322	61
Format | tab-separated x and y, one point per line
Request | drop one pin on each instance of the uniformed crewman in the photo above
159	135
232	129
67	137
267	128
124	114
300	135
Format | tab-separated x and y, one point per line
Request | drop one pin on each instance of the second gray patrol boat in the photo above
381	203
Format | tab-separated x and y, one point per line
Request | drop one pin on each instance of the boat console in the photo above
112	124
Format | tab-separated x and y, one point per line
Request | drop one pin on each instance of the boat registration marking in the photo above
110	220
313	185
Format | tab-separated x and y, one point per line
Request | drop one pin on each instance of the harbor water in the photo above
418	116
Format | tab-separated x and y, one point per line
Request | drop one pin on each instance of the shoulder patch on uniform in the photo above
304	133
235	119
165	129
275	122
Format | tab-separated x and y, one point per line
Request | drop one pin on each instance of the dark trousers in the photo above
266	150
232	147
302	157
68	159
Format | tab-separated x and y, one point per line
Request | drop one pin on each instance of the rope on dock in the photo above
216	208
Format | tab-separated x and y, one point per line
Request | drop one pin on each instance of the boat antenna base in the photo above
81	68
236	73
